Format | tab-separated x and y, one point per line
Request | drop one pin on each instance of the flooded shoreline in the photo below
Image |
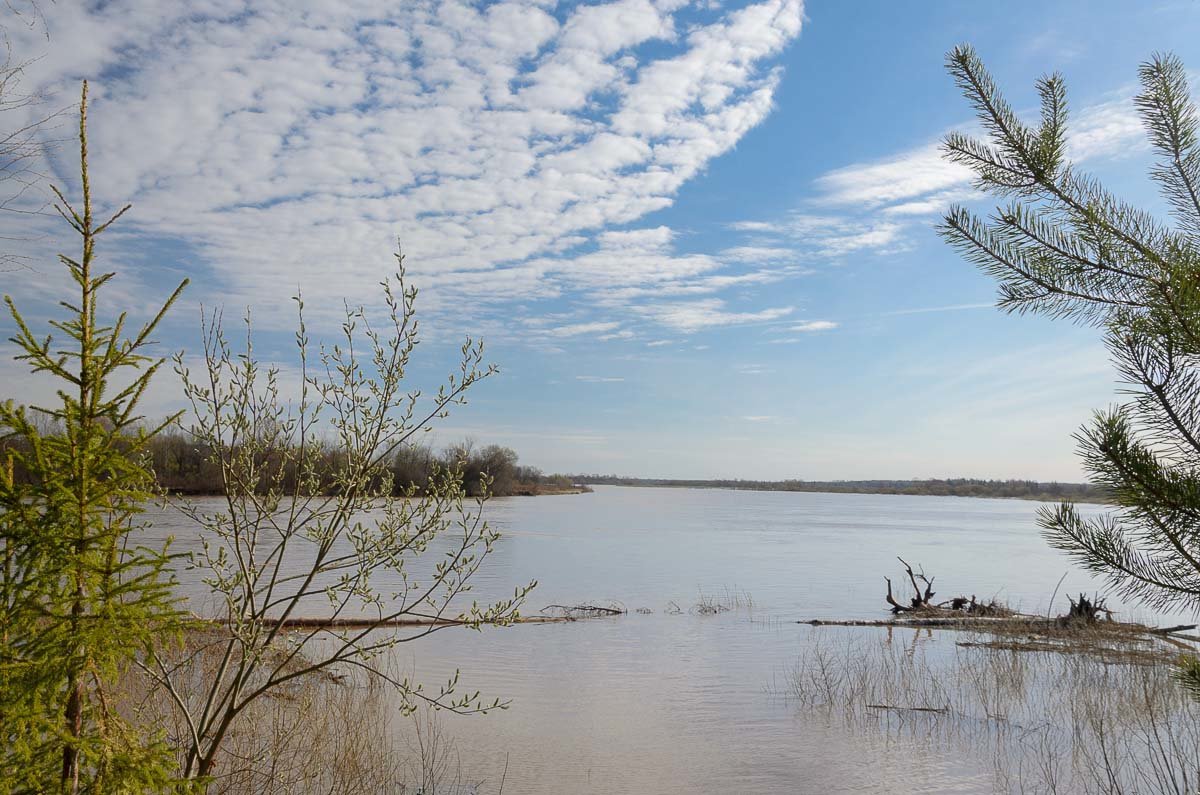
669	697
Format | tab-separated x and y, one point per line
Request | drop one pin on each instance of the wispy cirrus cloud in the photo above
907	175
803	330
872	207
932	309
689	316
921	181
578	329
813	325
599	379
821	236
623	334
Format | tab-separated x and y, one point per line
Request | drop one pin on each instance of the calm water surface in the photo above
688	702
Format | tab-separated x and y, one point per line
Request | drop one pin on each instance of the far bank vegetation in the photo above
934	487
182	465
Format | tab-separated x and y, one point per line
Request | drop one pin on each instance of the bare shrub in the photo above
310	577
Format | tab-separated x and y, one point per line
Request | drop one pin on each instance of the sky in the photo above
696	237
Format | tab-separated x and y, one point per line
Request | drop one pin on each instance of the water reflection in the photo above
689	703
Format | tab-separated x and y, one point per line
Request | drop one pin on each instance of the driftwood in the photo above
1173	630
922	599
1014	621
368	623
563	614
938	710
948	621
1086	611
572	612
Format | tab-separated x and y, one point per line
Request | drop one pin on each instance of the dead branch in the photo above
565	614
1173	630
955	622
938	710
371	623
922	598
572	612
923	593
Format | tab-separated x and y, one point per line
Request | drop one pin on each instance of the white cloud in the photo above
291	145
759	253
758	418
578	329
707	313
754	369
817	236
929	309
933	204
599	379
879	237
1109	129
701	285
916	172
921	181
814	325
869	207
624	334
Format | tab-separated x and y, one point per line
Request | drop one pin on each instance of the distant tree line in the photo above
950	487
181	465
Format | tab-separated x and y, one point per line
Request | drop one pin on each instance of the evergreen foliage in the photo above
80	600
1064	246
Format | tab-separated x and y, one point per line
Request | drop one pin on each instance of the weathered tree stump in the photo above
922	600
1086	611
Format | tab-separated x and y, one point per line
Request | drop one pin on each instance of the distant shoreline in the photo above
518	490
952	487
546	491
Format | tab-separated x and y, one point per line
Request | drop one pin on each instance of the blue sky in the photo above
697	237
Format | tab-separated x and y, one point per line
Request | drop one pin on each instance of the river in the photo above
666	701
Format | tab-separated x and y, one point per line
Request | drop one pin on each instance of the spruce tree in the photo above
1063	246
82	600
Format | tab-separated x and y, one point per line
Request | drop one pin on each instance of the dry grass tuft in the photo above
337	732
1097	711
729	599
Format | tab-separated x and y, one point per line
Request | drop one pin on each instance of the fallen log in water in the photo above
1016	621
1175	630
953	622
359	623
572	614
1111	641
891	708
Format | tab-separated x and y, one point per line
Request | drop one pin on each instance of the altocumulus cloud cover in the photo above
696	235
292	143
